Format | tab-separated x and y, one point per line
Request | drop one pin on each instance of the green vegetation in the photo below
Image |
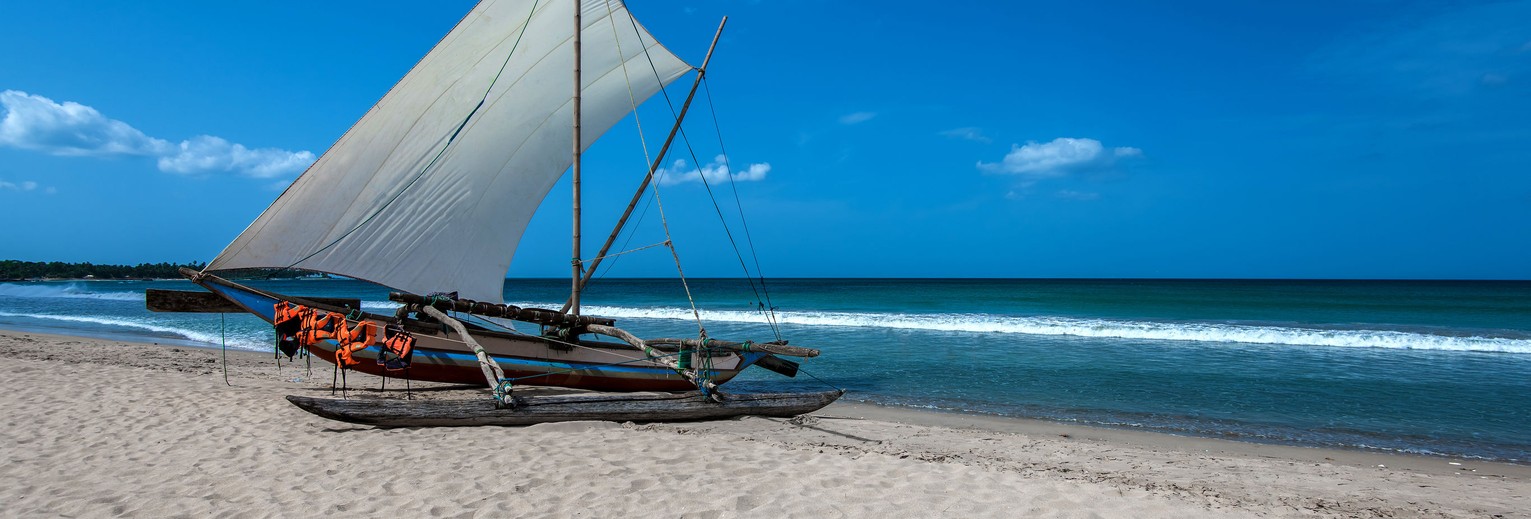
13	269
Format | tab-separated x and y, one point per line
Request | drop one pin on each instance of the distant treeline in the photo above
12	269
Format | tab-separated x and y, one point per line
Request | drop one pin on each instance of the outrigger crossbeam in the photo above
512	312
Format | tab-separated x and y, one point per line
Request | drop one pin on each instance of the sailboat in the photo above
429	194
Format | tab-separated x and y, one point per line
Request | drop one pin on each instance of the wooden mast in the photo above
580	282
575	263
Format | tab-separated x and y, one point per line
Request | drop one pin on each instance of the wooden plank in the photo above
157	300
191	301
636	407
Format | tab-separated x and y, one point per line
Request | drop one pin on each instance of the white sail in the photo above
431	190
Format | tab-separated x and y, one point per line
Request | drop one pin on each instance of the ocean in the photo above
1427	367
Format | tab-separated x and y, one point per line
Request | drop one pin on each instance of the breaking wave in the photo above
1100	328
212	338
71	291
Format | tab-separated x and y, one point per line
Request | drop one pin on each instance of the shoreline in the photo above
1421	463
1428	462
881	459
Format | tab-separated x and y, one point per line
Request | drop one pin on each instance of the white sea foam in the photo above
236	341
71	291
1101	328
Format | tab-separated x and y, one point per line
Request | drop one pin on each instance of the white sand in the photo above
99	428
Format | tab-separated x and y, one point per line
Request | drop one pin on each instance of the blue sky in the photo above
961	139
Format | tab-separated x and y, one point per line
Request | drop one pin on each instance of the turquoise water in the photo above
1409	366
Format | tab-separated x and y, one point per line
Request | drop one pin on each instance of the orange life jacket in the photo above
289	315
318	326
398	348
353	340
289	320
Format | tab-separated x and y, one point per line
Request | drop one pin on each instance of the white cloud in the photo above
857	118
25	186
34	122
203	154
1061	157
37	123
967	133
679	172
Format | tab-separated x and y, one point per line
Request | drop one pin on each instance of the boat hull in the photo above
441	355
647	407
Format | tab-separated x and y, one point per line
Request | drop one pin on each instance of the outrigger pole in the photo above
580	281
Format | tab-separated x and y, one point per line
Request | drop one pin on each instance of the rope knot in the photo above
503	389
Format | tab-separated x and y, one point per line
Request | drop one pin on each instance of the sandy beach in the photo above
97	428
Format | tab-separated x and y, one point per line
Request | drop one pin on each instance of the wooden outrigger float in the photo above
431	191
528	410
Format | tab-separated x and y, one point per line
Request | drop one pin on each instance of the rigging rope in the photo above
637	121
665	222
770	308
616	254
771	316
632	99
822	381
631	232
721	219
647	160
